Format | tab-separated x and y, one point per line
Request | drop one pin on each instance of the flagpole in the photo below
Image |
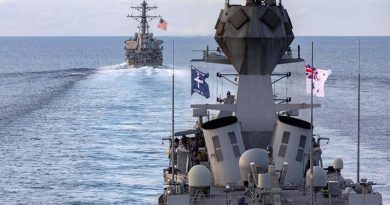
311	125
173	116
358	136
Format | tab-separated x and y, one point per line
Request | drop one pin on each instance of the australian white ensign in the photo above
198	82
319	78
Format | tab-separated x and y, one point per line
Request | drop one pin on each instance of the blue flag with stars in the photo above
198	82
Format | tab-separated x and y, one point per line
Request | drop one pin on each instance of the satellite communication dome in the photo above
319	177
199	176
256	155
338	163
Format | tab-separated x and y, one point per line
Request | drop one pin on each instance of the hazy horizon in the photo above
178	36
184	17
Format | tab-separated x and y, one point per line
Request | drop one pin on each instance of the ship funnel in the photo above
254	37
224	147
291	142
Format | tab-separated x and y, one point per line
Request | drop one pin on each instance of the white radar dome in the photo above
319	179
256	155
338	163
199	176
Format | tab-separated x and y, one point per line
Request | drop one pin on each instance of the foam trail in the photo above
164	70
114	67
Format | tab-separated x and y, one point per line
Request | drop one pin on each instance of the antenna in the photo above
173	115
311	125
143	18
358	136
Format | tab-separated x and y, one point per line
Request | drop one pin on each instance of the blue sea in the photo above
78	127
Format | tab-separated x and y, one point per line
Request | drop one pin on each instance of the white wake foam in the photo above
165	70
114	67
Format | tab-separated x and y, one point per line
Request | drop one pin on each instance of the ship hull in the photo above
143	50
138	64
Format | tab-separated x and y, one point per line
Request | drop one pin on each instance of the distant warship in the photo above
143	49
256	151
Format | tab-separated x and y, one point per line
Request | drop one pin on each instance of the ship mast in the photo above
143	18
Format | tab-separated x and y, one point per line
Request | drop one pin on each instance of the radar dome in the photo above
319	179
338	163
256	155
199	176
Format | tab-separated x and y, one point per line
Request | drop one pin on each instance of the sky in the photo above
184	17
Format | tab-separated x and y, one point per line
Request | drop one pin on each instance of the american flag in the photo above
162	24
309	72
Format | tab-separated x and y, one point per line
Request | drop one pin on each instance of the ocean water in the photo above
78	127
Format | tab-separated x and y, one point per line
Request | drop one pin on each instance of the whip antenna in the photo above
173	115
358	136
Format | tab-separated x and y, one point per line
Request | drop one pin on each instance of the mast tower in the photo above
143	18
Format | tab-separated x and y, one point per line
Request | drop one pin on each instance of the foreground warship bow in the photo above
143	49
251	153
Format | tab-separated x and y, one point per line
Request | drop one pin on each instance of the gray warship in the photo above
143	49
255	151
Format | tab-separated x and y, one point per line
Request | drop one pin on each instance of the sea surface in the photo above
78	127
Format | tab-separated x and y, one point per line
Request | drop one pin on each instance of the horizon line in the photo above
180	36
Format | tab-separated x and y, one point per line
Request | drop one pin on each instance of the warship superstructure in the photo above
255	151
143	49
